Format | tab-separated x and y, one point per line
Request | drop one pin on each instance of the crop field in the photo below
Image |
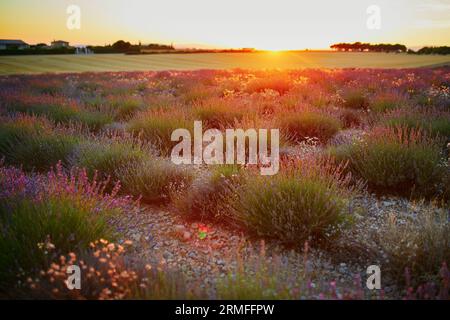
87	178
260	60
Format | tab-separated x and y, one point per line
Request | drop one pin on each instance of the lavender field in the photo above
86	178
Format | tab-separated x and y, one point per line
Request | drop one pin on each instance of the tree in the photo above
358	46
121	46
434	50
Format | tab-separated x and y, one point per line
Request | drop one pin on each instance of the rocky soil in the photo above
207	252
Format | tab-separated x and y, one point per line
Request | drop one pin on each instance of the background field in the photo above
267	60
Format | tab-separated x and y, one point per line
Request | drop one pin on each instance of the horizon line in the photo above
201	46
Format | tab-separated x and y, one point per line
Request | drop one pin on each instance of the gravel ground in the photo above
159	235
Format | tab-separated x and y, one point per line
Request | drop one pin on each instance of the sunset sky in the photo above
263	24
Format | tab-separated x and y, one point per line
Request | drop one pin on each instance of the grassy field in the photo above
267	60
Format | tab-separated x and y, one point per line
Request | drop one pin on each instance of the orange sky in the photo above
263	24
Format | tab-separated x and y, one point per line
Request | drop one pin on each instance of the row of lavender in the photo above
345	134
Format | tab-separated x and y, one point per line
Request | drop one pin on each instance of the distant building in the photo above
60	44
82	49
13	44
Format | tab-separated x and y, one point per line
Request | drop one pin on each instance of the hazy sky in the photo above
263	24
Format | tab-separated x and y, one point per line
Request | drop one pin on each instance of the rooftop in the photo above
13	42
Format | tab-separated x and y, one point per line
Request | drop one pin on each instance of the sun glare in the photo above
267	25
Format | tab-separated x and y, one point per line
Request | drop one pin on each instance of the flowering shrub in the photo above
419	245
217	113
298	127
350	118
106	157
308	200
386	102
124	107
157	129
397	160
107	275
155	180
66	209
355	99
58	109
411	246
434	121
34	144
270	82
208	197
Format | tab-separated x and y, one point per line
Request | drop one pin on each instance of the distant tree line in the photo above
359	46
126	47
37	50
432	50
387	47
117	47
